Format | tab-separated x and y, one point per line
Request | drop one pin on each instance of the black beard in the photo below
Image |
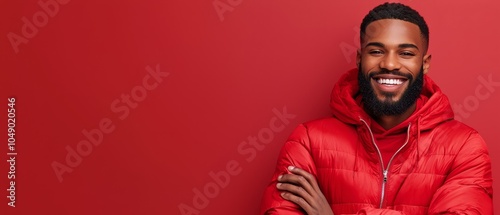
377	108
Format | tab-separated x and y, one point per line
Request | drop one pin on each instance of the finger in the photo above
299	186
308	176
297	190
299	181
306	180
297	200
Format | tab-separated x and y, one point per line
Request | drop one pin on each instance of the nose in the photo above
390	61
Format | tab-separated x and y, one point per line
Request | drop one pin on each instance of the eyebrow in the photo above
403	45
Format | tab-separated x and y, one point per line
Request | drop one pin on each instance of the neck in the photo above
388	122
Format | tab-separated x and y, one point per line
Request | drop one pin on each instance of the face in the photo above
391	63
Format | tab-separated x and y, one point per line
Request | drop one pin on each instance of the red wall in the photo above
149	100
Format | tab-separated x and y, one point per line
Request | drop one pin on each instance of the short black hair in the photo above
395	11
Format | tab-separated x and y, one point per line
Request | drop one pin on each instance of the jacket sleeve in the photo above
468	187
295	152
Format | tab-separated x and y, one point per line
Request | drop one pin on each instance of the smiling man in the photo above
392	145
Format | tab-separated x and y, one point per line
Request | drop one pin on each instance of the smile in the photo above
387	81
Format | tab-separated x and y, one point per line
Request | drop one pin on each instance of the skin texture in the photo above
390	45
301	188
393	44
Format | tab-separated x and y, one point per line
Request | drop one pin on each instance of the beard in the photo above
388	107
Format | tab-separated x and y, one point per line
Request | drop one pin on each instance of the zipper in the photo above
385	171
384	181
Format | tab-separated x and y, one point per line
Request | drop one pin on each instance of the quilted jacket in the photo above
442	168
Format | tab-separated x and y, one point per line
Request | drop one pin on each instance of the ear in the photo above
427	63
358	58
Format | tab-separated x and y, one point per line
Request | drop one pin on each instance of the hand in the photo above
301	188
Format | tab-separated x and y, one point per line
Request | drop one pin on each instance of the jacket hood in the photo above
346	99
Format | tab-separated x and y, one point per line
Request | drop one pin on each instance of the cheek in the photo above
369	64
413	66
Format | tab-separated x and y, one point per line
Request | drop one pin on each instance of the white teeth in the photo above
389	81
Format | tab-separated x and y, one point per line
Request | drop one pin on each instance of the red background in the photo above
225	78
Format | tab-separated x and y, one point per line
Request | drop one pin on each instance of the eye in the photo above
407	54
375	52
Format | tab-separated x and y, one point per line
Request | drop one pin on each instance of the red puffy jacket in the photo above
443	167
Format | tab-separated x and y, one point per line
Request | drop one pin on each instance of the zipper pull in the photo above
385	176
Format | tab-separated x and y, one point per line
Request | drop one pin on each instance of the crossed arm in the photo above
467	189
301	188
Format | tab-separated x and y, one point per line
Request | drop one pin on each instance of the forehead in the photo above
393	32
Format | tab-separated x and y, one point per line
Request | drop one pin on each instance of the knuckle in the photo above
301	201
284	186
307	175
300	190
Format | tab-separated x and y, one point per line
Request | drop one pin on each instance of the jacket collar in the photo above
345	103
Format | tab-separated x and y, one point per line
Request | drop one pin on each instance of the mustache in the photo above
392	72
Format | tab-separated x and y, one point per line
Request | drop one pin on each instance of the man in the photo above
392	145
